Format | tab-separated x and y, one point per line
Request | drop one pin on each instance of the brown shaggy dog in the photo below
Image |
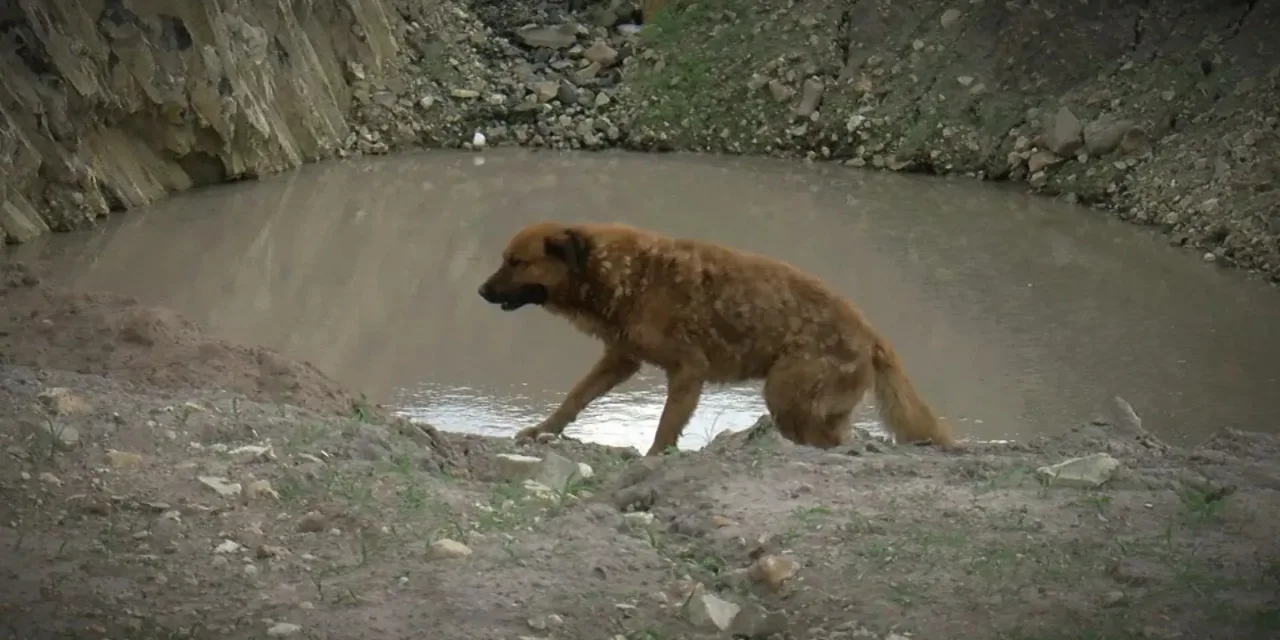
708	314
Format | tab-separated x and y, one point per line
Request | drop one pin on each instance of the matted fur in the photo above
705	314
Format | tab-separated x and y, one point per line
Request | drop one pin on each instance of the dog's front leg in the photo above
684	389
611	370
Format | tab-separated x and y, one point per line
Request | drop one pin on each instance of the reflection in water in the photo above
626	417
1014	315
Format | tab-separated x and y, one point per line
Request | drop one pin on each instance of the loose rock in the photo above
711	612
1087	472
1065	135
62	402
754	621
810	97
1102	136
445	548
773	571
124	459
601	54
556	471
560	37
221	486
283	629
61	437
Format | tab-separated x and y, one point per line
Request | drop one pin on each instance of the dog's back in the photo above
743	310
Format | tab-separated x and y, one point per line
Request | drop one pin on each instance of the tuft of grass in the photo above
1201	504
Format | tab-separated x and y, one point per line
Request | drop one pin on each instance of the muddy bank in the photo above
135	509
1161	111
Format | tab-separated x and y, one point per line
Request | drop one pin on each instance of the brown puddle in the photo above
1015	315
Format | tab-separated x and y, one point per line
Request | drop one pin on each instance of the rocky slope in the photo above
1162	111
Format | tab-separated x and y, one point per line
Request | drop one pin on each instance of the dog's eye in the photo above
514	262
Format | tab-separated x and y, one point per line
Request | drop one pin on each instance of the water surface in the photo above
1014	314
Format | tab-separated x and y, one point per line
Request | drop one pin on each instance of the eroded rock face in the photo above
108	105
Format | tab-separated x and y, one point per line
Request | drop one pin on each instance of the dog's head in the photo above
541	262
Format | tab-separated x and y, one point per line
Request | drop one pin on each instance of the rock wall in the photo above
111	104
1164	110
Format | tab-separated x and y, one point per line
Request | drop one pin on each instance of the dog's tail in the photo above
900	405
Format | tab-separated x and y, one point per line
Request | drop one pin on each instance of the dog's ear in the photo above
570	247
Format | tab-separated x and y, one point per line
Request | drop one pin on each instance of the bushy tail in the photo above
901	407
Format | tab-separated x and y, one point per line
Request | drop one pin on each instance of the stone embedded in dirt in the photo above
227	546
637	520
546	90
780	91
59	436
253	453
1064	134
810	97
1135	140
539	490
1114	599
601	53
559	37
265	551
720	522
1041	159
49	478
709	611
62	402
283	629
261	489
1102	136
586	74
124	459
556	471
514	467
950	17
754	621
1087	472
542	623
312	522
221	486
445	549
773	571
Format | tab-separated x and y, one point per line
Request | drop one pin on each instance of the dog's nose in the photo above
483	291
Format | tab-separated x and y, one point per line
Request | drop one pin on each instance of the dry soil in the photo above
159	483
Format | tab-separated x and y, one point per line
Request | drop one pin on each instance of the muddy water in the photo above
1015	315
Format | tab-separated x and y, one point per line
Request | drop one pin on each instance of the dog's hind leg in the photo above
811	400
611	370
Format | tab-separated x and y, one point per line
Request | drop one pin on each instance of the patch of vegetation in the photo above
698	93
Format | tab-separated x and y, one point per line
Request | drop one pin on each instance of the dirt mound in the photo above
101	333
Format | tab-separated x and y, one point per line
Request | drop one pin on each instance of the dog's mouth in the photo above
521	296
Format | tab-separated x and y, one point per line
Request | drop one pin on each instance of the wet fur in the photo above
708	314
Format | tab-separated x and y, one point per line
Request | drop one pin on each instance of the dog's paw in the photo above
530	434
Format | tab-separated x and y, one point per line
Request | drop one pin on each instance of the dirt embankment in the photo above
159	483
1162	111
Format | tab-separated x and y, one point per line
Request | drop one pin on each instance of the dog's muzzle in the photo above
514	299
